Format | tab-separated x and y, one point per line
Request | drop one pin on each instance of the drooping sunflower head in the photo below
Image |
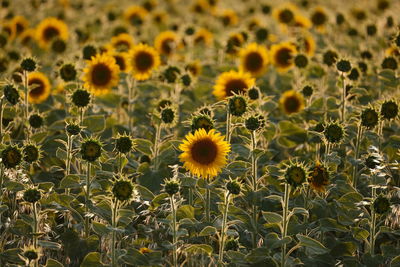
32	195
204	153
30	253
11	157
318	177
143	59
68	72
135	15
234	186
369	118
389	110
381	204
334	132
295	174
50	29
202	121
255	122
101	74
123	189
291	102
282	56
166	43
91	149
123	42
232	82
373	161
35	120
330	57
39	87
253	59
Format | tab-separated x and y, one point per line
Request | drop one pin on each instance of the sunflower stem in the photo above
356	155
25	73
120	162
81	115
223	228
114	225
285	210
254	184
343	98
87	197
228	125
373	223
156	144
132	86
208	203
35	230
174	231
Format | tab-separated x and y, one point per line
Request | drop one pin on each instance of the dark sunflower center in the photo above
297	175
283	57
144	61
120	62
101	74
13	157
122	45
318	18
200	39
135	19
204	151
92	150
307	46
292	104
286	16
167	46
253	62
37	87
235	86
20	28
50	32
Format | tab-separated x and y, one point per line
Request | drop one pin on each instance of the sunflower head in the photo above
186	79
171	74
203	37
32	195
11	94
307	90
68	72
389	110
31	253
91	149
253	59
261	34
11	157
228	17
124	144
121	58
81	98
88	52
39	86
73	129
343	65
163	103
123	42
145	250
232	244
318	177
254	93
301	61
58	46
234	43
143	59
166	43
202	121
295	174
319	17
28	64
254	122
334	132
194	68
389	63
234	187
135	15
330	57
36	121
237	105
169	115
31	153
369	118
204	153
372	161
285	14
282	56
172	186
50	29
291	102
381	205
354	74
122	189
101	74
232	82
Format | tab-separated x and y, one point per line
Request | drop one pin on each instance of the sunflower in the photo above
122	42
27	36
291	102
319	18
234	42
143	59
282	56
101	74
166	43
50	29
159	17
9	28
21	24
232	82
318	177
135	15
308	44
285	14
203	36
121	58
194	68
204	153
39	87
229	17
253	59
302	22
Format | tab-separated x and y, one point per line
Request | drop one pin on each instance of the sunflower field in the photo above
199	133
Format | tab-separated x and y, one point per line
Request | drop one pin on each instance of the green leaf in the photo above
144	146
145	193
70	181
100	229
185	211
46	187
53	263
199	249
395	262
92	260
207	231
14	186
314	247
95	123
135	258
12	255
359	233
49	244
272	217
61	153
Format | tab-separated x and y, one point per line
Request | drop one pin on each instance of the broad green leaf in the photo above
92	260
199	249
314	246
272	217
53	263
207	231
94	123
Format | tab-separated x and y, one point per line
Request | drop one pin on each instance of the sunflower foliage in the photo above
199	133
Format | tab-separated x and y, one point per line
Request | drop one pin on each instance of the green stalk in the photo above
208	204
373	224
285	214
156	144
131	89
223	228
26	94
228	125
343	98
190	196
174	230
119	162
254	184
87	197
35	230
81	115
356	155
1	118
114	225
